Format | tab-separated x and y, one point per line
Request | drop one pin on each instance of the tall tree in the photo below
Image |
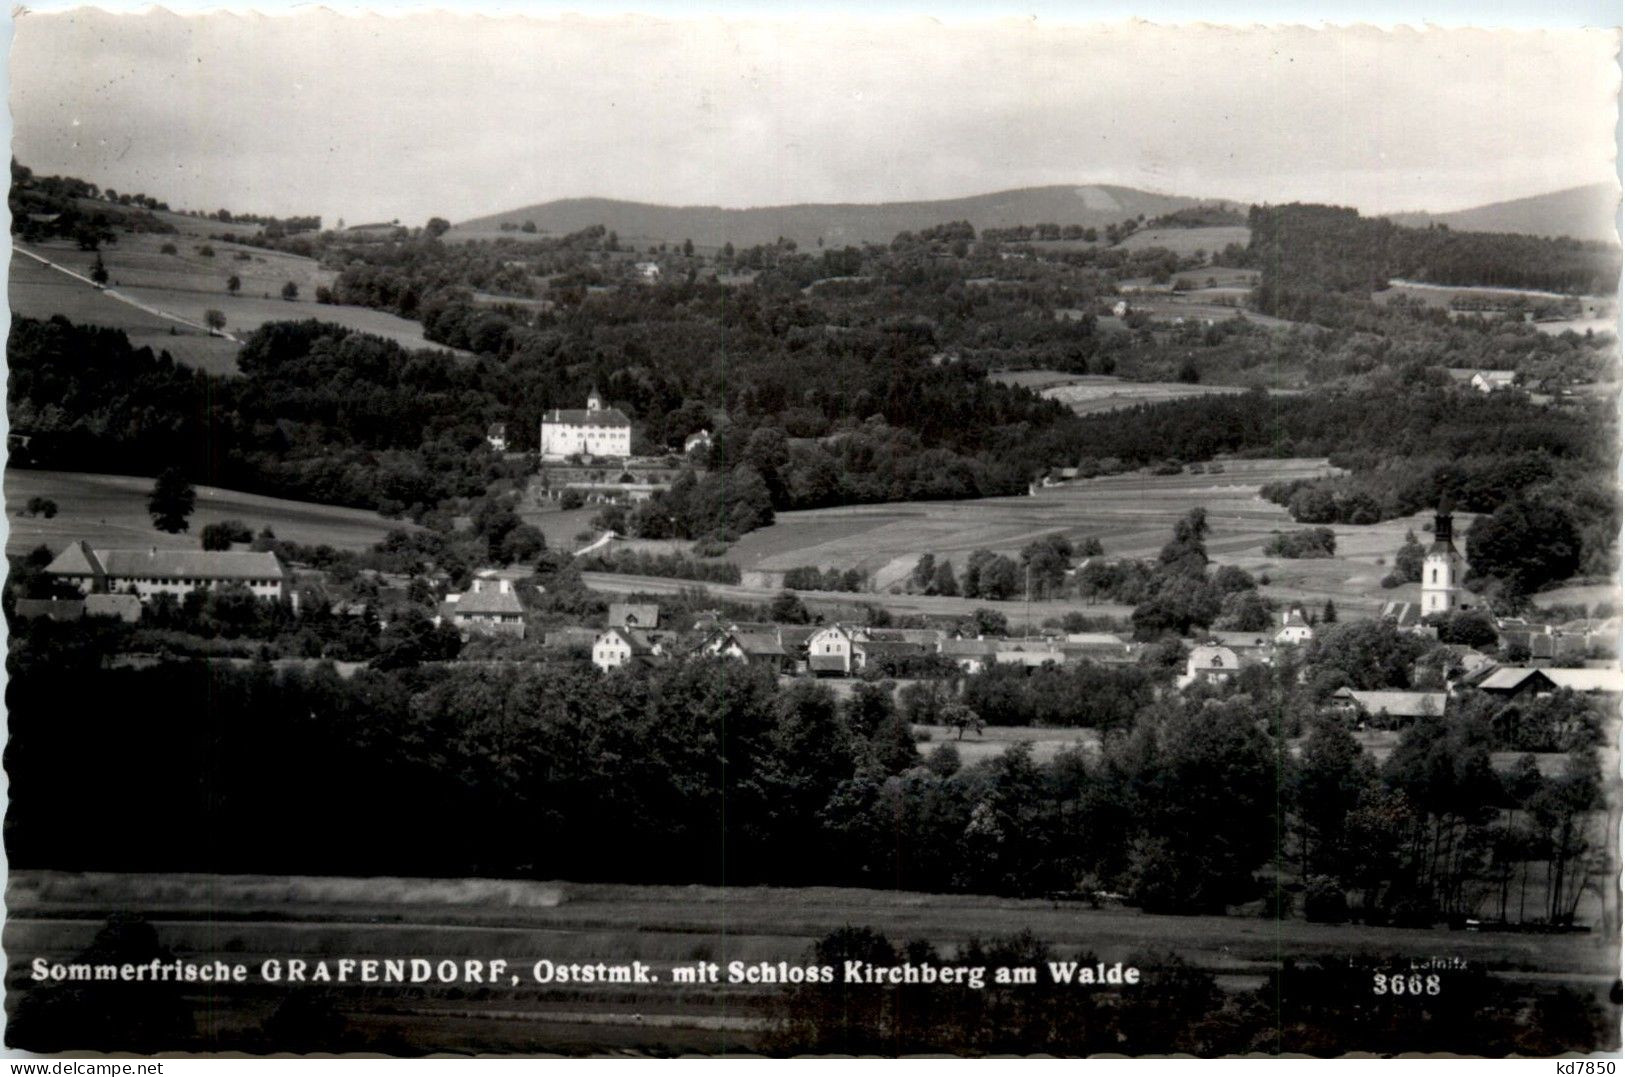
171	501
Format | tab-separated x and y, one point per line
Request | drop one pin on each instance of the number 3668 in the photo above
1401	984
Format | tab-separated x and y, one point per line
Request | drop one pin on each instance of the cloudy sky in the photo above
369	117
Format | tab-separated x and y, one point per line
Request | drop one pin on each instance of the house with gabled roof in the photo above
1294	629
1406	706
755	647
152	571
1208	664
644	615
617	647
491	607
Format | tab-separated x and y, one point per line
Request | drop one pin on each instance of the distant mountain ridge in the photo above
836	224
1579	212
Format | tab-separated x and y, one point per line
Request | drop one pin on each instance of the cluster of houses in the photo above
633	636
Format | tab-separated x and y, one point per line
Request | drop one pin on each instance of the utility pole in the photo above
1027	629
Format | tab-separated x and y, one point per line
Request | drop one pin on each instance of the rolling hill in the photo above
1580	212
835	224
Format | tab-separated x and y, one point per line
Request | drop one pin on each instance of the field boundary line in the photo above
121	297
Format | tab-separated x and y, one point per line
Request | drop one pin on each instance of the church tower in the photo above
594	401
1442	569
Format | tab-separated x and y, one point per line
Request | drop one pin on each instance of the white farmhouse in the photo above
596	431
1294	629
1208	664
618	647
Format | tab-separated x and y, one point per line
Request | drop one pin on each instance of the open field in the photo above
249	919
186	285
1088	394
1133	516
37	291
111	510
840	605
996	739
1187	241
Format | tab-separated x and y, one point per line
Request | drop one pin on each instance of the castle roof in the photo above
586	417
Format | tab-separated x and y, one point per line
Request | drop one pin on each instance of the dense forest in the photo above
1309	248
432	769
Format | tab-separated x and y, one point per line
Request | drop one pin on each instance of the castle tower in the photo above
1442	569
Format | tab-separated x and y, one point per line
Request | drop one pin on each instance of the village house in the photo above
970	655
1208	664
634	615
149	572
126	607
54	609
1511	682
1489	381
496	436
617	647
829	650
1096	647
1391	706
756	648
490	607
595	431
1294	629
699	440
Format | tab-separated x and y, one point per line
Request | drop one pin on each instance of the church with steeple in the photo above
1443	569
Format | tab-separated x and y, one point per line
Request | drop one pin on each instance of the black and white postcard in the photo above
733	534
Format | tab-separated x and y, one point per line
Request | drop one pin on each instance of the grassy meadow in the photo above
1133	516
111	510
185	285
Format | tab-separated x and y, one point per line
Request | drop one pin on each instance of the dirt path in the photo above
113	293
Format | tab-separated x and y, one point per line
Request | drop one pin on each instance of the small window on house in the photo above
1435	575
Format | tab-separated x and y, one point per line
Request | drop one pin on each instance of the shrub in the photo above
1324	901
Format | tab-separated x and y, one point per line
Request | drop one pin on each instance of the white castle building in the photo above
597	431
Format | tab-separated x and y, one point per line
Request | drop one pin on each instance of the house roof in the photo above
764	644
877	647
1396	704
1511	678
1101	639
796	636
905	635
1496	377
637	641
497	430
1213	658
1294	620
1403	614
79	559
125	606
644	615
584	417
1028	656
827	663
57	609
969	648
483	603
1244	640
